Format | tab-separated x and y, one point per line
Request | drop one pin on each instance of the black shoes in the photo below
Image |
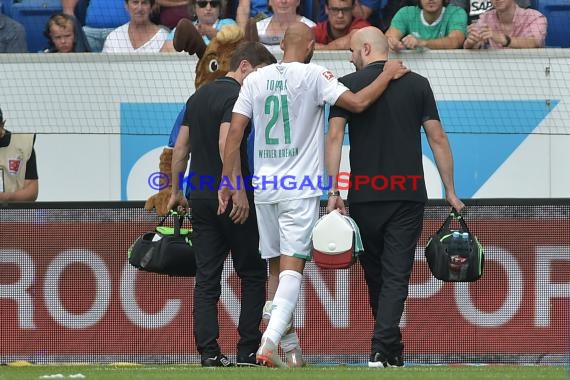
221	360
247	360
217	361
378	360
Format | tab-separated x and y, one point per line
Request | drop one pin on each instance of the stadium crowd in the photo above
149	25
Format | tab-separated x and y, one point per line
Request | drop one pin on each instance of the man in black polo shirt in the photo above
387	193
204	128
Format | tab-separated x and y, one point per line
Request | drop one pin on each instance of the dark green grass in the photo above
175	372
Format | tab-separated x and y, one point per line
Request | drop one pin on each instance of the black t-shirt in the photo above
206	110
385	140
31	166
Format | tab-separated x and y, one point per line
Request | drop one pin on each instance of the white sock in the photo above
267	310
284	303
290	341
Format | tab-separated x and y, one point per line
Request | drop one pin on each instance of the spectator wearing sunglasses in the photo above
208	20
335	32
206	15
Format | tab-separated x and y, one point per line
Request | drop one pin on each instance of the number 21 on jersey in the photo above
275	106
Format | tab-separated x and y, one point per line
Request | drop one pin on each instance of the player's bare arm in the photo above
231	171
439	145
333	150
180	157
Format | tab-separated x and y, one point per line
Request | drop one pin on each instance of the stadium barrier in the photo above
68	294
113	113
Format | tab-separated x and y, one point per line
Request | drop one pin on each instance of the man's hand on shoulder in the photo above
395	69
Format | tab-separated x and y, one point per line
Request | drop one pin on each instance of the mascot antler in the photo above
251	31
188	39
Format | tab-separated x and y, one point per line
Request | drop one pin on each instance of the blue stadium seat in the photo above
33	14
4	8
557	13
313	9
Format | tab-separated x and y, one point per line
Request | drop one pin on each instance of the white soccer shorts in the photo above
285	228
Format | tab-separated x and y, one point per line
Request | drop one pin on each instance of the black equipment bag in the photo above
166	250
455	258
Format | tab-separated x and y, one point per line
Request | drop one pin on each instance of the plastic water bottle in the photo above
454	252
465	242
455	241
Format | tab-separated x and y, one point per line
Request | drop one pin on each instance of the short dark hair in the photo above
327	2
253	52
192	8
150	1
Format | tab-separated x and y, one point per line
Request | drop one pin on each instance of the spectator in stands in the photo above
172	11
367	10
139	35
208	22
12	36
258	9
507	26
64	35
431	24
102	17
391	8
272	29
334	34
475	8
18	170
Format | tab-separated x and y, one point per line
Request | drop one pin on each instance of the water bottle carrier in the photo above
455	255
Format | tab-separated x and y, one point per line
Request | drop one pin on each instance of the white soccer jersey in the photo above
286	102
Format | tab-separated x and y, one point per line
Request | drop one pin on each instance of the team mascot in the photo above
214	62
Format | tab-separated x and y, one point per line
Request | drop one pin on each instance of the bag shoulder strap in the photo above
178	221
453	214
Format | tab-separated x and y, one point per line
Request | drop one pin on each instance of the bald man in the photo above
385	143
286	101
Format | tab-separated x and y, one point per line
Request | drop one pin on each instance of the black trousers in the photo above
390	232
214	236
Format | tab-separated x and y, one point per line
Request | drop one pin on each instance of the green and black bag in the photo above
455	255
166	250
